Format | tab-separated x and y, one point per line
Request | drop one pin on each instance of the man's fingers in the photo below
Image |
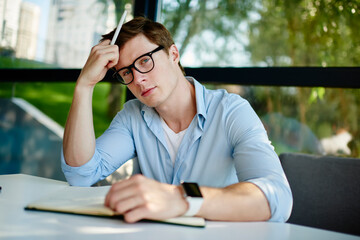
105	42
112	59
139	197
129	204
136	214
122	190
113	198
102	50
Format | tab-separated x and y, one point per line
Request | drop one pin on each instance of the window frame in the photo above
333	77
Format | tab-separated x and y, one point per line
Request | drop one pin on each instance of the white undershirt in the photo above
173	140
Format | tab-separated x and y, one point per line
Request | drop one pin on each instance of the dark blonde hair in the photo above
155	32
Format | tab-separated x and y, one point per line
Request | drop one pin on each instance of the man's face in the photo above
155	87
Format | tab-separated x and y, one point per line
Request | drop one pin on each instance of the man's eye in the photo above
125	73
145	60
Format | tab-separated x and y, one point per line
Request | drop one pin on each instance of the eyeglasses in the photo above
143	64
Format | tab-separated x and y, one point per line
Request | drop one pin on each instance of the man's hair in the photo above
155	32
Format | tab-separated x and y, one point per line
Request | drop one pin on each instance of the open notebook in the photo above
90	201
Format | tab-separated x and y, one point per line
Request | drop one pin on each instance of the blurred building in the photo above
74	27
19	28
9	25
27	36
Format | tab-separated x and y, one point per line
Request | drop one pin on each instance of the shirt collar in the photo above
200	101
149	114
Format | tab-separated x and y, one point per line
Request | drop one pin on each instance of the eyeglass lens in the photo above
144	64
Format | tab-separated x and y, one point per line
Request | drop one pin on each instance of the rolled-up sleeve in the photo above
113	148
255	158
84	175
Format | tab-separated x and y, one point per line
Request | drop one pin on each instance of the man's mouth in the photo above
147	92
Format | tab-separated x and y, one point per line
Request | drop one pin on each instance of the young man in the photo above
179	131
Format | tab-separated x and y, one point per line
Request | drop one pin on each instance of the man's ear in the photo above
174	54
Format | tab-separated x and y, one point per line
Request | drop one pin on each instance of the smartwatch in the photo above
193	196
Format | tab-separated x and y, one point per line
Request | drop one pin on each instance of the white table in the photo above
15	223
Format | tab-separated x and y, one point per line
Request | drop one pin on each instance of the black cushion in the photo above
326	191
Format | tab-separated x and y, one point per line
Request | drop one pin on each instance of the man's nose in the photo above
138	76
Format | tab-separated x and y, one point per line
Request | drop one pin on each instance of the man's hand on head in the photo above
142	198
102	57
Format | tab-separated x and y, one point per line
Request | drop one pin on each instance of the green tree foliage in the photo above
306	33
311	33
211	25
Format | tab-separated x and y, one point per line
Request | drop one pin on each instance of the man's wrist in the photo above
185	206
82	85
193	197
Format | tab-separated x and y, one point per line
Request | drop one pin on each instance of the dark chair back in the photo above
326	191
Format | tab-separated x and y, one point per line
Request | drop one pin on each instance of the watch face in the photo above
192	189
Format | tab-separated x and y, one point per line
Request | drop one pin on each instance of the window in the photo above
253	34
266	33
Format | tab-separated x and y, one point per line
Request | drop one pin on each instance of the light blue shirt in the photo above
225	143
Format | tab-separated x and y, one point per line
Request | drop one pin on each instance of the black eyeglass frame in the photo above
121	80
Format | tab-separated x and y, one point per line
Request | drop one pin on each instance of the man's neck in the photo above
180	109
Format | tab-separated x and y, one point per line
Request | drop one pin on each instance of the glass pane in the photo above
54	100
54	33
265	32
308	120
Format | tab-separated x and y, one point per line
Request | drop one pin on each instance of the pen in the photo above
121	22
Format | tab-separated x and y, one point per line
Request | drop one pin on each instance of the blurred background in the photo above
240	34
